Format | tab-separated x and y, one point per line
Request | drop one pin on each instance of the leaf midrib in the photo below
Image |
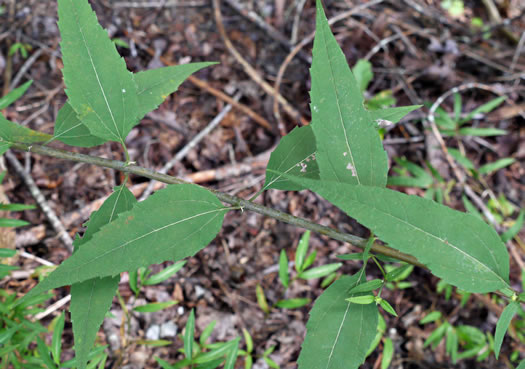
147	234
98	79
438	238
341	120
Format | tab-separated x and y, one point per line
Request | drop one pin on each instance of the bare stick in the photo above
29	62
41	201
159	4
271	31
52	308
254	75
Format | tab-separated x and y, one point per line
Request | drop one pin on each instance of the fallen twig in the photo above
41	201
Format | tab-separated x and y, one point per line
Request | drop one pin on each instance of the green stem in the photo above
229	199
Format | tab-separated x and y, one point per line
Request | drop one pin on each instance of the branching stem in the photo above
229	199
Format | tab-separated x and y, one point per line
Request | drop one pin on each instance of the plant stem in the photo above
232	200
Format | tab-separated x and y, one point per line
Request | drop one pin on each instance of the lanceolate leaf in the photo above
153	86
11	132
503	324
295	155
349	149
173	224
14	95
338	333
457	247
91	299
99	86
71	131
393	115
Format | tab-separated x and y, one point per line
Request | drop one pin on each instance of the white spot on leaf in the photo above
303	167
123	90
351	168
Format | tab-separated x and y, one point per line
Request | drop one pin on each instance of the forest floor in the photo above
419	51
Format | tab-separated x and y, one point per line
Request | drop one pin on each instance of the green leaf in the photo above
261	299
362	300
497	165
338	333
219	352
362	71
451	344
154	343
481	132
415	170
320	271
431	317
164	274
302	249
206	333
45	355
163	364
483	109
349	148
174	223
16	207
14	95
399	273
393	115
295	154
154	306
100	88
11	132
154	86
231	358
292	303
367	286
503	324
283	269
387	307
380	331
56	343
71	131
354	256
119	201
328	280
457	247
4	146
91	299
7	253
436	335
189	332
7	222
388	353
522	364
460	158
248	339
516	227
471	208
